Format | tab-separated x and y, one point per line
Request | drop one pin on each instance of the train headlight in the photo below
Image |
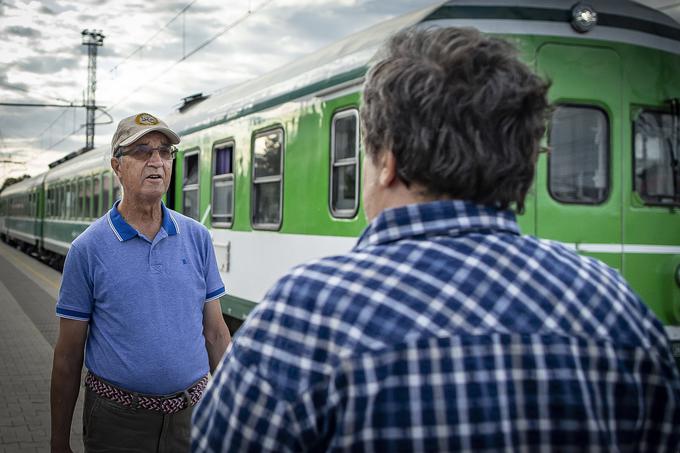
583	17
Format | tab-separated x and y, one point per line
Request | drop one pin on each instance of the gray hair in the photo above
461	114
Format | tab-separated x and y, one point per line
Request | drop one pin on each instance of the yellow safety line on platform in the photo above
27	268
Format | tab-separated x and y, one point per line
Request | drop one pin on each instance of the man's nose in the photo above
155	159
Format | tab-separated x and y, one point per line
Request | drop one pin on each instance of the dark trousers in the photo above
111	427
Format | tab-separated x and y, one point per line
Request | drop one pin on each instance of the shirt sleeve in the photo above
75	299
213	282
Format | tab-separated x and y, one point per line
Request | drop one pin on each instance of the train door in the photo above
652	184
578	190
170	194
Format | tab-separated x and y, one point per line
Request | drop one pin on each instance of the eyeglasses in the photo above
145	152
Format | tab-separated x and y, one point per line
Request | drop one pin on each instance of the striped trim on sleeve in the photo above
72	314
212	295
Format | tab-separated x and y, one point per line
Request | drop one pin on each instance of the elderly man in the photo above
140	294
444	329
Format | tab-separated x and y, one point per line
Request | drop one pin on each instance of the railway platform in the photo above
28	332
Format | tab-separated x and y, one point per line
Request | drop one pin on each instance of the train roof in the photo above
23	185
343	63
93	159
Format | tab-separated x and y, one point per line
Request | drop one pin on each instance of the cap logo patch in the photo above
145	119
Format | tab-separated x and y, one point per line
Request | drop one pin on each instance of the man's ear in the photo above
115	165
388	168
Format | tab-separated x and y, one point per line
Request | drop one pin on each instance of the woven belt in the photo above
165	404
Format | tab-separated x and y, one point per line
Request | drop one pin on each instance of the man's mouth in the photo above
154	177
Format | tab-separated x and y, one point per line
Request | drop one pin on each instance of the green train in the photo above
272	166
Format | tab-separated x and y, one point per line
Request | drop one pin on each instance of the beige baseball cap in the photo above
133	127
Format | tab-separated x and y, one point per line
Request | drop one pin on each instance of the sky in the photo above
140	67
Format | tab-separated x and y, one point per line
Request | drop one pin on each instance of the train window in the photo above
96	186
223	184
72	202
52	202
578	163
57	201
106	190
655	180
76	199
62	201
87	198
80	193
267	179
190	185
344	163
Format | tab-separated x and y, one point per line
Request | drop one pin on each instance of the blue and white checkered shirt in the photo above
444	329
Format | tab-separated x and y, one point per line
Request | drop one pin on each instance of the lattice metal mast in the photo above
92	39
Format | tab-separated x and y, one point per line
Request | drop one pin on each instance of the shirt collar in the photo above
438	218
125	231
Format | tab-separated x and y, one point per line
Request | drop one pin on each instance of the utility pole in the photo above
92	39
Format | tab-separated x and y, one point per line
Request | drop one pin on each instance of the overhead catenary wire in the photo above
672	5
133	53
201	46
140	47
63	139
52	123
154	79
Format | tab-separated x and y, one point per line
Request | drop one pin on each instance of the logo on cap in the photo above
144	119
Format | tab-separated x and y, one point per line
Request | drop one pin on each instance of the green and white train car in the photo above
76	193
272	166
21	207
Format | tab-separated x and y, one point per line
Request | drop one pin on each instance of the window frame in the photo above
62	201
608	156
267	179
345	213
643	109
73	184
222	177
87	198
197	187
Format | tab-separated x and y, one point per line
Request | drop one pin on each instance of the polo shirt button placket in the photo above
155	264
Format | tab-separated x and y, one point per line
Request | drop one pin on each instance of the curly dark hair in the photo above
461	114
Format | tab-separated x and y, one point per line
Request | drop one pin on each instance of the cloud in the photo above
21	31
5	84
48	64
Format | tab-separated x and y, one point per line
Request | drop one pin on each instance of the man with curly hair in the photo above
445	329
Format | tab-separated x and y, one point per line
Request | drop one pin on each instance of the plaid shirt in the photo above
445	330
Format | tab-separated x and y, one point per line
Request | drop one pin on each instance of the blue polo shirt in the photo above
143	299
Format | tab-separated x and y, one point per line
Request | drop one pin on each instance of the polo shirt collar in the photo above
125	231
